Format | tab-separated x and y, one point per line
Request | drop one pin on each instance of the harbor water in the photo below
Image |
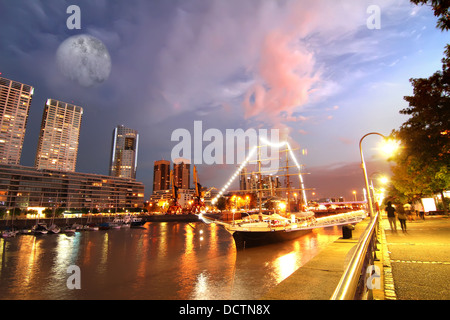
159	261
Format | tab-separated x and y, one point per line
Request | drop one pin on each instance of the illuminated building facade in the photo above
22	187
161	175
15	100
181	173
59	136
124	153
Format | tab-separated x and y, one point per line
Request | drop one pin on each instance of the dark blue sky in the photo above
313	70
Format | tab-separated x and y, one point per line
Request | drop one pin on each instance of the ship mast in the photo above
288	185
260	184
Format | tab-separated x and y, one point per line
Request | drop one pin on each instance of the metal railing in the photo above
352	285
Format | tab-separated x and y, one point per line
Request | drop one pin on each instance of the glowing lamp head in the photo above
389	147
384	180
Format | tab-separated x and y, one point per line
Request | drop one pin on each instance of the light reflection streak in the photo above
26	266
162	248
286	265
188	264
103	254
141	259
201	287
3	255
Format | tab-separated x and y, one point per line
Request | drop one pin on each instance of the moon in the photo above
84	59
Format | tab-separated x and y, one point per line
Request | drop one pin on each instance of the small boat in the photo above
69	229
104	226
54	229
39	229
9	233
91	227
122	222
25	231
137	222
114	225
77	226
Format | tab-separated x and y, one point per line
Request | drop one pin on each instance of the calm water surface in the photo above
159	261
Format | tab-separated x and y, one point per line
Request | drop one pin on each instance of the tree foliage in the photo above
426	133
441	10
422	166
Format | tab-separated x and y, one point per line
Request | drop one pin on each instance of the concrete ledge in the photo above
319	277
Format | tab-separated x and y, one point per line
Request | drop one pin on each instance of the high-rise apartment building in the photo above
15	100
181	173
161	175
59	136
124	153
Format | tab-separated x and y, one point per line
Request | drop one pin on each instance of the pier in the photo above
413	266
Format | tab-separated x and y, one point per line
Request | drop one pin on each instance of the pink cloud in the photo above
285	77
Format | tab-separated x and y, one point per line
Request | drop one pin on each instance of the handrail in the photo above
348	283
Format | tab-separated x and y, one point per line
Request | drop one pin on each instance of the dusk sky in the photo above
312	69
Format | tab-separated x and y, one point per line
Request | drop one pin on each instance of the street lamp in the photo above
389	147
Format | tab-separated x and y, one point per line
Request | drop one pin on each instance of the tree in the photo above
221	203
426	133
425	136
441	10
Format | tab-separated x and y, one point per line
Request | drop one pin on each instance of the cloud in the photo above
270	58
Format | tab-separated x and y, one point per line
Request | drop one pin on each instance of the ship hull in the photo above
246	239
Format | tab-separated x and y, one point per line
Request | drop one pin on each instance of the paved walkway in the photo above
319	277
416	264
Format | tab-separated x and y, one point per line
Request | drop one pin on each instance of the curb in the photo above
389	287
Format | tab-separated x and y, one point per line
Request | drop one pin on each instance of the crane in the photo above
174	207
198	204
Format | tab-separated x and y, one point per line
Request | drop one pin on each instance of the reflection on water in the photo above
159	261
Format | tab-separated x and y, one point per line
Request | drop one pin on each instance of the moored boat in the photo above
39	229
137	222
91	227
54	229
104	226
77	226
9	233
25	231
69	229
259	230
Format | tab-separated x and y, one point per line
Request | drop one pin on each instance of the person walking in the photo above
390	210
409	211
402	216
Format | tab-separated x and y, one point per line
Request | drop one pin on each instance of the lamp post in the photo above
363	167
383	180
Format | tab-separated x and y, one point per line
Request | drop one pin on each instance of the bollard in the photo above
347	231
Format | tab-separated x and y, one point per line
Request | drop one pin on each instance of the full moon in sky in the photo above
84	59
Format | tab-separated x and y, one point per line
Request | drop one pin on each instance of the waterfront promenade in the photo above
418	259
414	265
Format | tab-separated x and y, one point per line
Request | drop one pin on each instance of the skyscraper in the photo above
181	173
161	175
124	153
15	100
59	135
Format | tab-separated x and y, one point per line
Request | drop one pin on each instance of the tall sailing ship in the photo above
265	227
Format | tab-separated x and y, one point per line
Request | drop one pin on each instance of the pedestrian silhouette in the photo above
390	210
402	216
